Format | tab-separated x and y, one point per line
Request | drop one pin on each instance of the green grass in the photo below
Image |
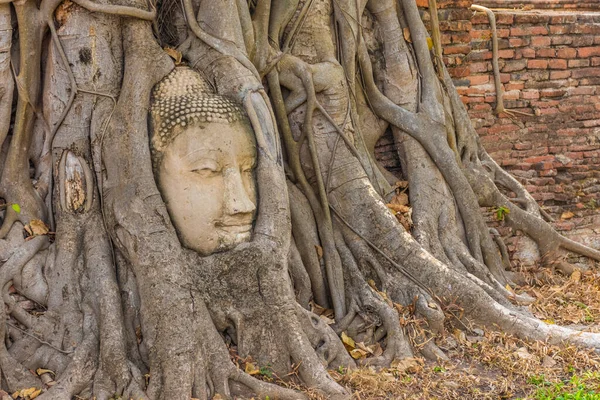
580	387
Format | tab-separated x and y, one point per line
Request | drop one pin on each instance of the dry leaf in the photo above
348	342
376	349
411	365
174	54
38	227
371	283
400	198
460	336
321	311
523	354
548	362
401	184
41	371
407	35
251	369
576	276
567	215
363	347
358	354
399	208
27	394
319	250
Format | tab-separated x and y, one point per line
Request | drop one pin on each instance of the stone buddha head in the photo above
203	155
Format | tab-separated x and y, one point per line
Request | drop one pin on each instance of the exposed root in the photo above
324	340
500	109
123	11
397	346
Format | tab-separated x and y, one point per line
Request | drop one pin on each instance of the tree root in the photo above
6	81
545	236
397	347
500	109
114	9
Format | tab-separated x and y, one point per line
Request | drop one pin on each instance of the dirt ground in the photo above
484	364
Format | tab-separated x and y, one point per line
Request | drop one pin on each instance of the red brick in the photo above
560	74
582	90
503	33
553	92
479	79
526	52
585	72
595	61
512	94
559	29
579	63
507	53
530	94
460	37
505	18
457	49
575	155
490	97
562	19
582	41
480	89
482	107
479	34
537	30
566	53
539	159
478	99
479	67
503	129
523	146
478	55
518	31
518	42
547	111
585	52
537	64
557	63
540	41
562	39
459	72
548	172
529	18
511	66
455	26
545	53
514	86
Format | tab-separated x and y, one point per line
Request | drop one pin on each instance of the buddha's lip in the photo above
235	228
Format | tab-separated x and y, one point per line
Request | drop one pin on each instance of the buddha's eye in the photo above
207	170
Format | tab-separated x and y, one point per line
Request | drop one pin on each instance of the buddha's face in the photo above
206	178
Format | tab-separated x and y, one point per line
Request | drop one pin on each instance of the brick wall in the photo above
580	5
550	68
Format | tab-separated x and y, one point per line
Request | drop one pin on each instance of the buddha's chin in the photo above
231	236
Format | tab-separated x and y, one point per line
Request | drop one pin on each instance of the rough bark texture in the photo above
96	284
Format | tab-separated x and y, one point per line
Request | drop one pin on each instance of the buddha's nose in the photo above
237	199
